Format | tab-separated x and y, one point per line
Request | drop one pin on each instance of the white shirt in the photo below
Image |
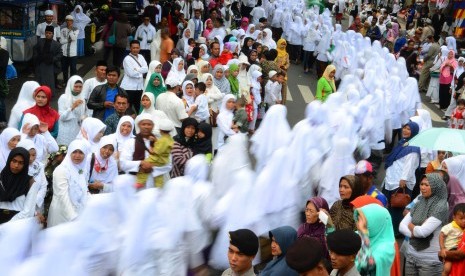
217	31
133	72
145	34
45	144
40	31
25	204
202	113
257	13
87	89
173	107
68	40
272	92
402	169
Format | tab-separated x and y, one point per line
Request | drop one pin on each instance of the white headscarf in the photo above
157	115
91	127
25	101
80	21
174	72
189	99
111	170
70	98
5	137
267	39
118	137
153	64
451	43
201	64
456	167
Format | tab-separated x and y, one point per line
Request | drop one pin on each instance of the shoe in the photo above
433	102
444	109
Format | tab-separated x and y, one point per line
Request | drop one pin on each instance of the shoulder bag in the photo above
112	37
400	200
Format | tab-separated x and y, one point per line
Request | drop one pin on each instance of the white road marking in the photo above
289	96
435	117
306	93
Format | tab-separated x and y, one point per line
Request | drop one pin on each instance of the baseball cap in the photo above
363	166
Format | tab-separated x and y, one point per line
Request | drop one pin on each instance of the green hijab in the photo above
233	81
381	235
155	90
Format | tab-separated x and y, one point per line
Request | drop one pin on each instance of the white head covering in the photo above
451	43
254	82
25	101
141	117
119	138
80	21
456	167
70	98
205	48
152	102
267	39
189	99
90	127
153	64
174	72
201	64
5	137
30	120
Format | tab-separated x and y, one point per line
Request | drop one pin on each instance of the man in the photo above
373	32
40	31
364	171
437	21
195	24
306	257
68	42
171	104
151	11
145	34
135	67
428	30
121	105
47	59
102	97
99	79
343	246
243	246
215	53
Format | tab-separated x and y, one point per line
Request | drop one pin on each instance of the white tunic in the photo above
87	89
173	107
134	71
402	169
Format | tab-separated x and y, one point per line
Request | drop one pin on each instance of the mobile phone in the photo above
323	217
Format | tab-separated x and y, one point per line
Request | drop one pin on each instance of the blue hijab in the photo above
403	148
285	236
400	42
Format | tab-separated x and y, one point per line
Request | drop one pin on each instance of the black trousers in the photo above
444	96
118	55
134	99
68	65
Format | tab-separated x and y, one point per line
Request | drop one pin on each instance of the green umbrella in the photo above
446	139
319	3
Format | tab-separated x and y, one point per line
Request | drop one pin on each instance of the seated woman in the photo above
183	146
92	130
9	138
38	133
147	104
281	239
18	192
104	167
341	212
124	132
70	191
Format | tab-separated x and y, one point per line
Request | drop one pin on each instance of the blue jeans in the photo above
416	267
68	63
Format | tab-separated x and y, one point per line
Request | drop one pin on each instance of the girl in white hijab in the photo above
177	69
105	167
25	101
92	130
154	67
70	191
205	56
203	67
225	119
147	103
80	22
44	142
9	138
188	94
72	109
124	132
212	92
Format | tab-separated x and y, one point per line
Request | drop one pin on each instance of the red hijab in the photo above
45	113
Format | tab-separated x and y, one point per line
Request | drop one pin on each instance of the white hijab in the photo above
456	167
118	137
25	101
80	21
174	72
69	98
153	64
267	39
157	115
111	172
90	127
7	134
189	99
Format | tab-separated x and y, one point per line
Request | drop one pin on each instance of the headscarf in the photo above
402	148
455	194
395	29
400	42
381	235
155	90
77	174
80	21
434	206
25	100
201	64
268	39
45	113
223	83
456	167
233	81
152	66
205	49
102	165
5	137
245	49
330	68
207	30
69	98
181	138
281	51
119	138
284	236
34	168
190	100
204	145
14	185
152	103
450	61
451	43
356	188
91	127
174	72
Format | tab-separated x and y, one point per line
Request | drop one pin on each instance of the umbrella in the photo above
446	139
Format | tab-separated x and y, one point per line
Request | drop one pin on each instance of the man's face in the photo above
340	261
238	262
112	78
121	105
215	50
49	35
197	14
48	19
69	23
100	72
146	21
146	127
135	49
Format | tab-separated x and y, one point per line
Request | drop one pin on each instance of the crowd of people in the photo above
125	177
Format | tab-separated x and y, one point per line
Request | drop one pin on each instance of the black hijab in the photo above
181	138
14	185
245	49
204	145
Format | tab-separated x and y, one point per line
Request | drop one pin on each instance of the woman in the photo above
281	239
177	69
446	74
43	111
183	45
203	68
214	96
121	29
268	39
313	227
282	60
166	45
9	138
208	27
423	225
18	191
436	164
188	95
378	243
204	145
72	109
252	58
204	52
455	166
105	35
104	167
25	101
326	84
32	130
247	46
154	67
147	103
92	131
184	142
70	191
124	132
269	64
220	81
233	81
433	87
80	22
341	212
225	119
155	85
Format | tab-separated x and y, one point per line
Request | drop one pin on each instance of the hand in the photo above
77	103
443	253
43	127
330	221
145	166
362	222
402	184
96	185
153	139
26	128
411	226
40	218
108	104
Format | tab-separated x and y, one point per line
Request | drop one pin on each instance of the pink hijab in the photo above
449	61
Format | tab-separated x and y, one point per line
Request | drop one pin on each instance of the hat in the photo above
48	12
166	125
272	73
49	29
363	166
69	17
245	240
304	254
201	40
172	82
344	242
243	59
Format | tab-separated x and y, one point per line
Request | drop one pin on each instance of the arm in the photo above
426	228
411	163
51	143
72	35
42	182
66	113
225	127
131	68
403	226
95	102
29	204
112	174
180	154
126	162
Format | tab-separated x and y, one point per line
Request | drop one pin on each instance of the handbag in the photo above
11	72
400	200
112	38
434	74
213	116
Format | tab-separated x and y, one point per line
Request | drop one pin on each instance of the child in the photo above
240	122
159	154
458	115
256	89
200	106
272	95
204	141
451	234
